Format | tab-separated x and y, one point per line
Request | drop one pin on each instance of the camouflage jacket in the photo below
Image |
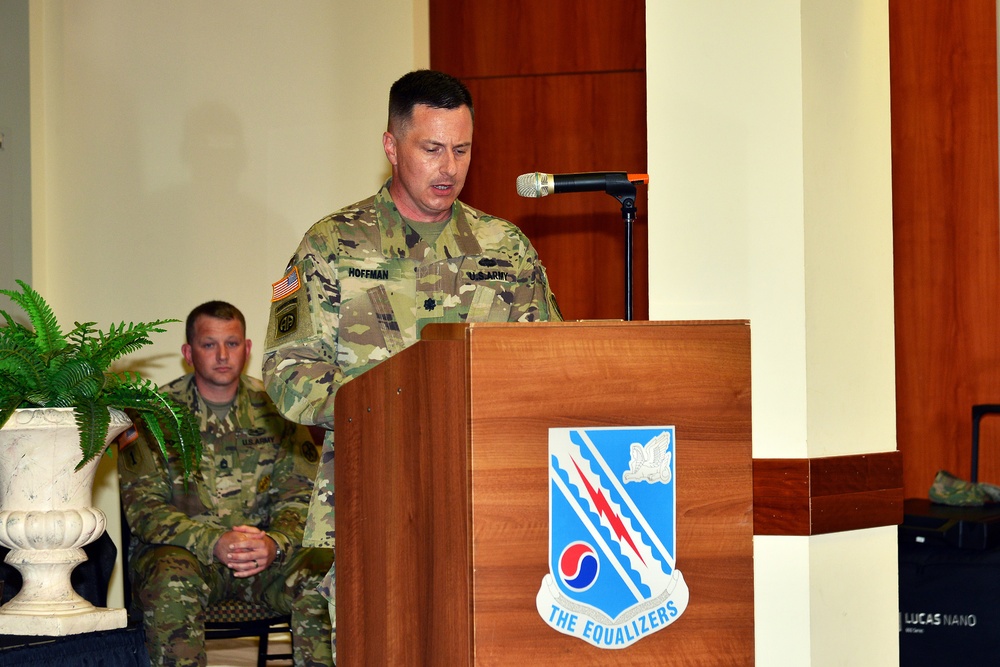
256	469
360	288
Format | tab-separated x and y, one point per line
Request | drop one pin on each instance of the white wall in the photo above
188	146
15	147
183	148
770	199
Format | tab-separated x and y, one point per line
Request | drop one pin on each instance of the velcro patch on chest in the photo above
309	452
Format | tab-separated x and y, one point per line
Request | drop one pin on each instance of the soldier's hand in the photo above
246	550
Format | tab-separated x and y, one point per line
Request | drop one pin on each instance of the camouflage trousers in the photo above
329	590
172	588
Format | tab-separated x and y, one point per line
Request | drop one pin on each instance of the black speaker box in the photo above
949	604
949	578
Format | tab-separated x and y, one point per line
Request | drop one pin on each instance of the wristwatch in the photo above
279	553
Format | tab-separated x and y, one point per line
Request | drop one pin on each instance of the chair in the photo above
226	619
229	619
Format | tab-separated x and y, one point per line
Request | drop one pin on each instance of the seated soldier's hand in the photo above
246	550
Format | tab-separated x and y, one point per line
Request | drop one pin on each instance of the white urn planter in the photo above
46	517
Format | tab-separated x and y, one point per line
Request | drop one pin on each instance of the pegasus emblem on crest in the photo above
650	462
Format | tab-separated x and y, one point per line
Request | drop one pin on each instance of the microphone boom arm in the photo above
618	184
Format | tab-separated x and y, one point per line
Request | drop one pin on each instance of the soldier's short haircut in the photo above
428	87
218	309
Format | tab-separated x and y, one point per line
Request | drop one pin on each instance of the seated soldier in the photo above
235	531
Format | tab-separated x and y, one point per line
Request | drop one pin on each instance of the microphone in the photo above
614	183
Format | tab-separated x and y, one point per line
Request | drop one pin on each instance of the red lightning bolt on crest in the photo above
604	508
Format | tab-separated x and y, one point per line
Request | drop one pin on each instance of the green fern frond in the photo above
21	361
15	331
12	382
174	423
126	381
15	388
7	407
93	419
154	427
121	340
81	333
76	380
79	341
49	335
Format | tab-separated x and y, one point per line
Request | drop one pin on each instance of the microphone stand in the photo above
619	185
624	192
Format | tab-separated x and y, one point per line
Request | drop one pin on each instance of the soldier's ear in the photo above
389	146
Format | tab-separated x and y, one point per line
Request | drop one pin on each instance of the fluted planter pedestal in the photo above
46	518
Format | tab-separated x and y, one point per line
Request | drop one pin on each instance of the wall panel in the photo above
521	38
943	62
559	87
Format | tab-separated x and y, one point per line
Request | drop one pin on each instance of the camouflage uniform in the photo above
256	470
360	288
947	489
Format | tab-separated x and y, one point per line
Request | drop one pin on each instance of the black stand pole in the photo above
627	200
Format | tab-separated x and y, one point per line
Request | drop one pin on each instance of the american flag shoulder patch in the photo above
128	436
289	284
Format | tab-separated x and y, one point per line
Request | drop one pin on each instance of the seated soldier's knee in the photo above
164	574
307	571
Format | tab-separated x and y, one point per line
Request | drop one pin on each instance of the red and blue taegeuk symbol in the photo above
578	566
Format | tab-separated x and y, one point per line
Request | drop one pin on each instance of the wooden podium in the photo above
442	477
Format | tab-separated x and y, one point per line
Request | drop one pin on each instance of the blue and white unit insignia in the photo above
612	536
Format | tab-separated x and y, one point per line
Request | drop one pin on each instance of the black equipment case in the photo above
949	578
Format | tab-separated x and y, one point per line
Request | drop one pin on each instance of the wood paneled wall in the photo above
559	87
943	64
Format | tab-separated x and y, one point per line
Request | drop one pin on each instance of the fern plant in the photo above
41	367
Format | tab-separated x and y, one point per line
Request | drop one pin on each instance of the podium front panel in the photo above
478	435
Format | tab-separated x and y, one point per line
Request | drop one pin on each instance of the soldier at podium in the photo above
366	279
